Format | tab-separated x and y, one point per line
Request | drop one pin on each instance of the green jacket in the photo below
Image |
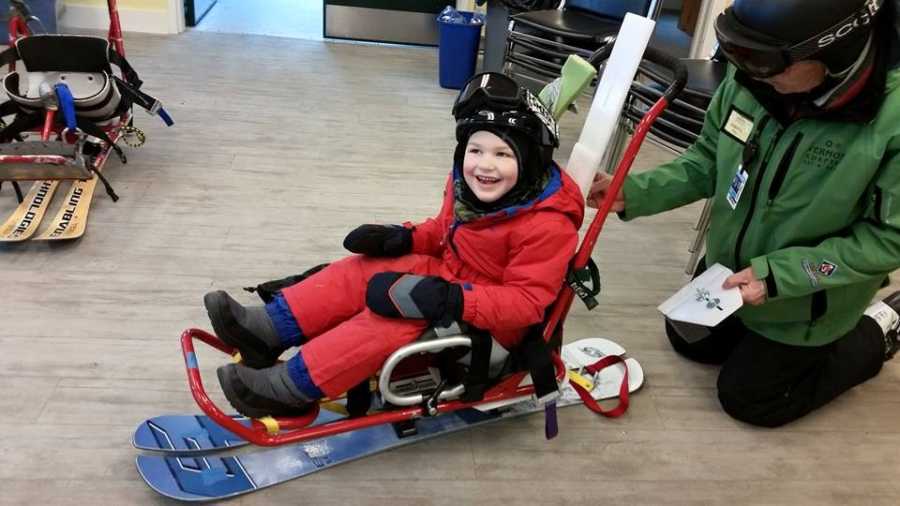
818	218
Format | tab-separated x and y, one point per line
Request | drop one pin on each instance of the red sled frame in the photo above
278	431
18	28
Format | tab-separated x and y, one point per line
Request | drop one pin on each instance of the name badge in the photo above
738	125
737	187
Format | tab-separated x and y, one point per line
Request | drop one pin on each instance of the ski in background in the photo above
26	218
70	221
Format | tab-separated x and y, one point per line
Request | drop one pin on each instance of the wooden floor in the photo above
281	147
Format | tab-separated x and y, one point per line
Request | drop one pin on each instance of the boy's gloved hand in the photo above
399	295
379	240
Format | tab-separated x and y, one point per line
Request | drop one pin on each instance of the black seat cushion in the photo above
571	23
704	76
64	53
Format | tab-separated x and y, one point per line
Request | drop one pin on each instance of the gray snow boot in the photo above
249	329
262	392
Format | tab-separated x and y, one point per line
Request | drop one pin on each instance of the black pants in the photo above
767	383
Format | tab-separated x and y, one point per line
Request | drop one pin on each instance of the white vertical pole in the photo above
609	99
175	11
704	32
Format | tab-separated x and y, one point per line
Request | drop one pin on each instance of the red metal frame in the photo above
563	303
297	429
294	430
115	28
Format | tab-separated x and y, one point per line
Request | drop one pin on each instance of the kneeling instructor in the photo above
800	156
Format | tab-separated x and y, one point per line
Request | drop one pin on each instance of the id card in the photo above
738	125
737	187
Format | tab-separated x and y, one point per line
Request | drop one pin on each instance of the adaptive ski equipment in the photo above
69	111
449	379
184	468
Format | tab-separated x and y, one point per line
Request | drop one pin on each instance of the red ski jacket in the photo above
511	263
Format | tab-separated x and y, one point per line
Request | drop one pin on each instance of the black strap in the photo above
20	123
9	108
17	188
89	127
359	400
537	358
131	76
576	280
136	96
269	289
477	377
9	56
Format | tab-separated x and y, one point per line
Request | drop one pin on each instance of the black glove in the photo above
399	295
379	240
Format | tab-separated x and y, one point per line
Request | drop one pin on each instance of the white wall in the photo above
705	34
149	16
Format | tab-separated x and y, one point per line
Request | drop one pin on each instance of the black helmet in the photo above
764	37
495	103
489	100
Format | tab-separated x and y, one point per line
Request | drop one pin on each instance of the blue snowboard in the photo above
185	434
214	477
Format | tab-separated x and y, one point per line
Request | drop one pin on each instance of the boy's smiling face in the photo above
490	166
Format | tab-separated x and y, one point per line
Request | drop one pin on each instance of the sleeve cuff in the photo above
631	193
470	305
763	272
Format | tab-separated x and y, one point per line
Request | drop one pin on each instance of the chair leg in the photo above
616	147
495	37
17	188
696	248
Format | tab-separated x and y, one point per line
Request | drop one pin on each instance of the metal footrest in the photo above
37	160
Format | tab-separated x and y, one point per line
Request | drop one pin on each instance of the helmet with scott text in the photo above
764	37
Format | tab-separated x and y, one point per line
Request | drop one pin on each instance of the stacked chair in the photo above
539	41
679	126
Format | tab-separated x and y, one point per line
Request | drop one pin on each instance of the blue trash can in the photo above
45	10
457	51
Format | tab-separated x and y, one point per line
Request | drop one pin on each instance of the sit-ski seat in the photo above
471	358
80	62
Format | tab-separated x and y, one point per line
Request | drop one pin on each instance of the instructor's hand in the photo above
753	290
598	192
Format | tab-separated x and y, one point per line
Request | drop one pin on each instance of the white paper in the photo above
703	301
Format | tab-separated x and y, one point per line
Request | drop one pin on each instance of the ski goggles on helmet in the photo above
520	121
762	56
494	98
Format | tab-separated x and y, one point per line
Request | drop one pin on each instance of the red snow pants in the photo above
346	343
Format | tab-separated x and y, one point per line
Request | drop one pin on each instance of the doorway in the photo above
299	19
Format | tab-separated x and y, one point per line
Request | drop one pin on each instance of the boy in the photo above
495	257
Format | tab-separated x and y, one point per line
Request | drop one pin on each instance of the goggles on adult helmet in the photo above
494	99
762	56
